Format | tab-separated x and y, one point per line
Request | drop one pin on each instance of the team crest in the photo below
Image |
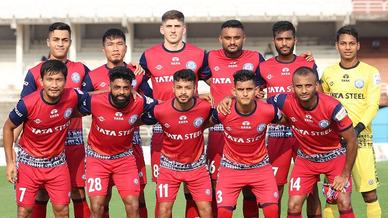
132	119
359	83
68	112
75	77
324	124
191	65
248	66
261	128
198	122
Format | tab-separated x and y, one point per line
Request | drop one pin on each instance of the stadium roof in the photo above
149	11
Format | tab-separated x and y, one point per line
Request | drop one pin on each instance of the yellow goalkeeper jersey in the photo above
357	88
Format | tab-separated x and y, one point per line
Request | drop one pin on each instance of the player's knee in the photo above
294	205
61	211
164	210
97	207
205	210
369	197
344	203
24	212
225	212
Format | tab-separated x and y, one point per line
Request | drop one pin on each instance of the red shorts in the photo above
156	146
122	171
56	181
197	181
138	154
280	152
231	181
306	173
214	152
75	158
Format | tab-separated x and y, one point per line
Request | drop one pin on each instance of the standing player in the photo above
275	74
223	63
318	122
160	63
356	85
110	147
58	42
114	48
183	157
244	153
40	160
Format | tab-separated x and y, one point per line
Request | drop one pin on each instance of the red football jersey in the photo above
316	130
183	139
112	128
161	64
222	69
276	76
45	125
245	133
76	72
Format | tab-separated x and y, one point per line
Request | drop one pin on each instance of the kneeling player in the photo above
183	120
245	161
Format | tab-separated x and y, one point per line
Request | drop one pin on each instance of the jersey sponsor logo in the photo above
132	119
118	116
175	61
377	79
158	67
110	132
345	78
191	65
348	95
18	112
50	130
186	136
312	132
285	71
221	80
232	64
216	68
308	118
164	79
102	84
279	89
359	83
198	122
341	114
182	119
54	113
246	125
241	139
75	77
248	66
261	127
324	124
67	113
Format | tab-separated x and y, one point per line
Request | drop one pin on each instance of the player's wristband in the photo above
359	128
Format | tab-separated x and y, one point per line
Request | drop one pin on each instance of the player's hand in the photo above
11	173
308	55
260	95
224	106
208	97
340	183
138	69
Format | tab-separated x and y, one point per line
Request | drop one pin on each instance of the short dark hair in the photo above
54	67
304	71
59	26
172	15
121	72
282	26
185	74
232	24
244	75
348	29
113	33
